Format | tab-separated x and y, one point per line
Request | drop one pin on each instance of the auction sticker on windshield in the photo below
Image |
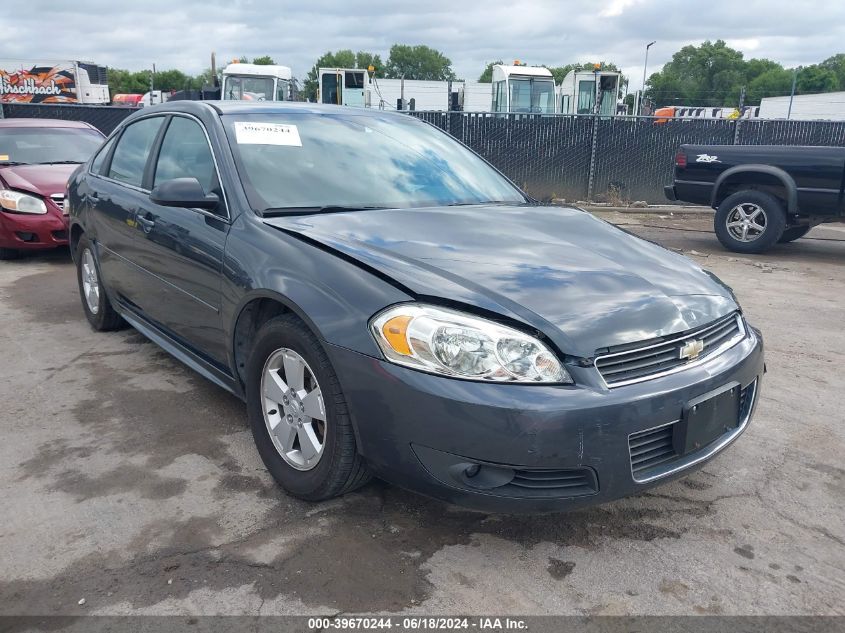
249	133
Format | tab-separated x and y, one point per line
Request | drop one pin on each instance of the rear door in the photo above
115	195
181	250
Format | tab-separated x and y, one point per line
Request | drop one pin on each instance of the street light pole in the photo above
645	68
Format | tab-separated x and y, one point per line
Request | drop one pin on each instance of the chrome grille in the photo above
653	452
628	364
59	200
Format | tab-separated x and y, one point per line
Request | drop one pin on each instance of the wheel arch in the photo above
253	311
76	232
763	177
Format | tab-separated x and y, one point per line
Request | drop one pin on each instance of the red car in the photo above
37	156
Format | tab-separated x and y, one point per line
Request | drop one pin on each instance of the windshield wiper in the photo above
62	162
329	208
12	163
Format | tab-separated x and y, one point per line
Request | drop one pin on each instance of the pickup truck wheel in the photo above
298	414
792	233
750	221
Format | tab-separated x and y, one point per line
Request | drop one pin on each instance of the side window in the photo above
185	154
99	159
133	148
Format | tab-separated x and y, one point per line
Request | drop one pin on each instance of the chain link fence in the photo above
575	157
616	160
104	118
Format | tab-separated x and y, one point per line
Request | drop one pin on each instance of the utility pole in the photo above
152	74
739	118
792	93
645	69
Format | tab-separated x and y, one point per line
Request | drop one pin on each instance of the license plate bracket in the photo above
707	418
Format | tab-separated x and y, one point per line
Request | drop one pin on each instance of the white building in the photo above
427	95
477	97
828	105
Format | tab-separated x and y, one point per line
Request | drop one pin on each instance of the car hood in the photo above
580	281
44	180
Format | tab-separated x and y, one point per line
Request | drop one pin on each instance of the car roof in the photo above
266	107
27	122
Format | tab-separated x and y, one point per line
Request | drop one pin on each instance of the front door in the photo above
181	250
115	196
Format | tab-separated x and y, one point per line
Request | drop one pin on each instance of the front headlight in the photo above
21	202
442	341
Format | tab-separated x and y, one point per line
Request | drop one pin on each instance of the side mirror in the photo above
183	192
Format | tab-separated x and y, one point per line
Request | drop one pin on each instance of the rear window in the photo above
133	149
43	145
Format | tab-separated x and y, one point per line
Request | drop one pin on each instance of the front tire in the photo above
792	233
298	414
95	303
750	221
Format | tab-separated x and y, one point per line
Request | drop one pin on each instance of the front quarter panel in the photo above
335	297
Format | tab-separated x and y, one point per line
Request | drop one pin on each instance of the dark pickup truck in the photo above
763	194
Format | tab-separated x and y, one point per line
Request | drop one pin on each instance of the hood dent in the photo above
580	281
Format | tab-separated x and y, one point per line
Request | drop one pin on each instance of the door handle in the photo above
93	198
147	224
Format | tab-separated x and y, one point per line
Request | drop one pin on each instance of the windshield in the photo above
532	95
248	88
297	160
34	145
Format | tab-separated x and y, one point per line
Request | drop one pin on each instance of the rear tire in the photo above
750	221
792	233
9	253
95	303
310	458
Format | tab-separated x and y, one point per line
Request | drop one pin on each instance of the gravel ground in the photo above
131	482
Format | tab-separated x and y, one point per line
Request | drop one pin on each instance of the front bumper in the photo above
422	431
33	232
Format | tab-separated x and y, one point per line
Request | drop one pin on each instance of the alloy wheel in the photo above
294	411
90	282
746	222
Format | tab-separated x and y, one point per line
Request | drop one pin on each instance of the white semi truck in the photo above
526	89
256	82
53	81
589	92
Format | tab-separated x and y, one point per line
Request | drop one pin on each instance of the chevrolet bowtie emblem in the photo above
692	349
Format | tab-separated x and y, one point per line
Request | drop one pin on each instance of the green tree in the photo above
172	80
816	78
364	60
486	77
128	82
836	64
774	82
418	62
264	60
711	74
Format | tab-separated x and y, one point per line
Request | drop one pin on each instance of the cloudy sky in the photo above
182	33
